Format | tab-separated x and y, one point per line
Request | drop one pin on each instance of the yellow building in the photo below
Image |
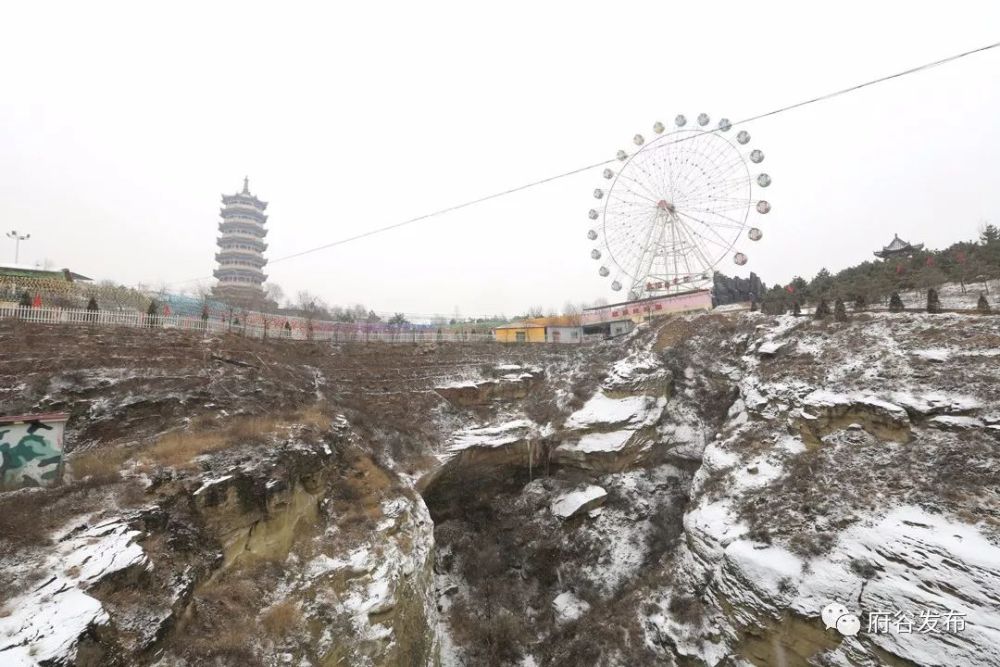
522	332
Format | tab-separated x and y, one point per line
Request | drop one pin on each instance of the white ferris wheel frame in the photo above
675	209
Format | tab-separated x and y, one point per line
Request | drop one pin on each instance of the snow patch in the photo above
570	503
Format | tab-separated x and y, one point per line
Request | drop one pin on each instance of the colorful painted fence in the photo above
245	323
650	307
31	450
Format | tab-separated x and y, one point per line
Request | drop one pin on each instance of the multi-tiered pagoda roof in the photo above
898	247
241	247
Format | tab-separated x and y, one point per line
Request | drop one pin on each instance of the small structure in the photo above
241	249
898	248
31	449
554	334
15	271
610	329
520	332
644	309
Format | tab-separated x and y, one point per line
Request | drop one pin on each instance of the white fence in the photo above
320	330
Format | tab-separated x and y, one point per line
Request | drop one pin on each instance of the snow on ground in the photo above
822	398
209	483
901	559
589	443
933	402
955	422
921	563
939	354
46	623
568	504
601	410
498	435
568	607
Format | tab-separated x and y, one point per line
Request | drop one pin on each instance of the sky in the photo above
122	124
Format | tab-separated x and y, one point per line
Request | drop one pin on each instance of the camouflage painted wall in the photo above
31	450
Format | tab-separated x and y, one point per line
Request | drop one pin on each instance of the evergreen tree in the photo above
25	300
92	305
933	302
895	303
151	313
839	311
796	309
822	310
990	235
753	306
860	303
983	305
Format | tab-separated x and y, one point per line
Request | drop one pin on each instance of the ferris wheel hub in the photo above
664	205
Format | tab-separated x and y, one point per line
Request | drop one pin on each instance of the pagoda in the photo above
241	249
898	247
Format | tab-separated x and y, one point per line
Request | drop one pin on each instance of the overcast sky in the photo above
121	125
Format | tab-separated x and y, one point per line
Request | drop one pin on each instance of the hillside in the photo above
694	493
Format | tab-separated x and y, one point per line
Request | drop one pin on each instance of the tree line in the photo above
967	263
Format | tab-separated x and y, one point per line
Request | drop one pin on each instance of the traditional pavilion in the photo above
241	249
898	248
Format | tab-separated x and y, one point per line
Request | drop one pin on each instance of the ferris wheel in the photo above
677	207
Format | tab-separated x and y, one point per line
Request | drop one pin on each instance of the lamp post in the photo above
12	234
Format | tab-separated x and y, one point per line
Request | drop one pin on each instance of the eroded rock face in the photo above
743	491
831	462
849	502
505	382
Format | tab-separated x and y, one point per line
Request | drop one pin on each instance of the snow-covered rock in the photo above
569	607
578	501
45	624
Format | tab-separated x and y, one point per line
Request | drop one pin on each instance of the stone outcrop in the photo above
726	290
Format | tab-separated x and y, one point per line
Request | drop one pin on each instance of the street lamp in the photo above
12	234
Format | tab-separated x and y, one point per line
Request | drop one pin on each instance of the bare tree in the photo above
573	313
274	292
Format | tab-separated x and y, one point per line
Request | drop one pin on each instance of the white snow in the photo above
209	483
770	347
930	402
821	398
601	410
638	365
614	441
955	422
922	561
498	435
568	504
568	607
938	354
46	623
763	567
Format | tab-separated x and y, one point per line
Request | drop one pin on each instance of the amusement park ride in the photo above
675	208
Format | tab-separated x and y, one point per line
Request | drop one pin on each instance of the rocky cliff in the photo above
695	493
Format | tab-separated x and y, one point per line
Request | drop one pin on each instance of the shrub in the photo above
822	310
839	311
983	305
280	619
895	303
933	302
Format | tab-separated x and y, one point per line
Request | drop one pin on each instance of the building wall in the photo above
31	453
640	310
564	334
509	335
622	327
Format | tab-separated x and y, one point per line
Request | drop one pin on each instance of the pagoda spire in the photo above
246	185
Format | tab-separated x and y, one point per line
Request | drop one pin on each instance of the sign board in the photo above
31	450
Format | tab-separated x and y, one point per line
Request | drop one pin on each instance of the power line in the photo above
473	202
